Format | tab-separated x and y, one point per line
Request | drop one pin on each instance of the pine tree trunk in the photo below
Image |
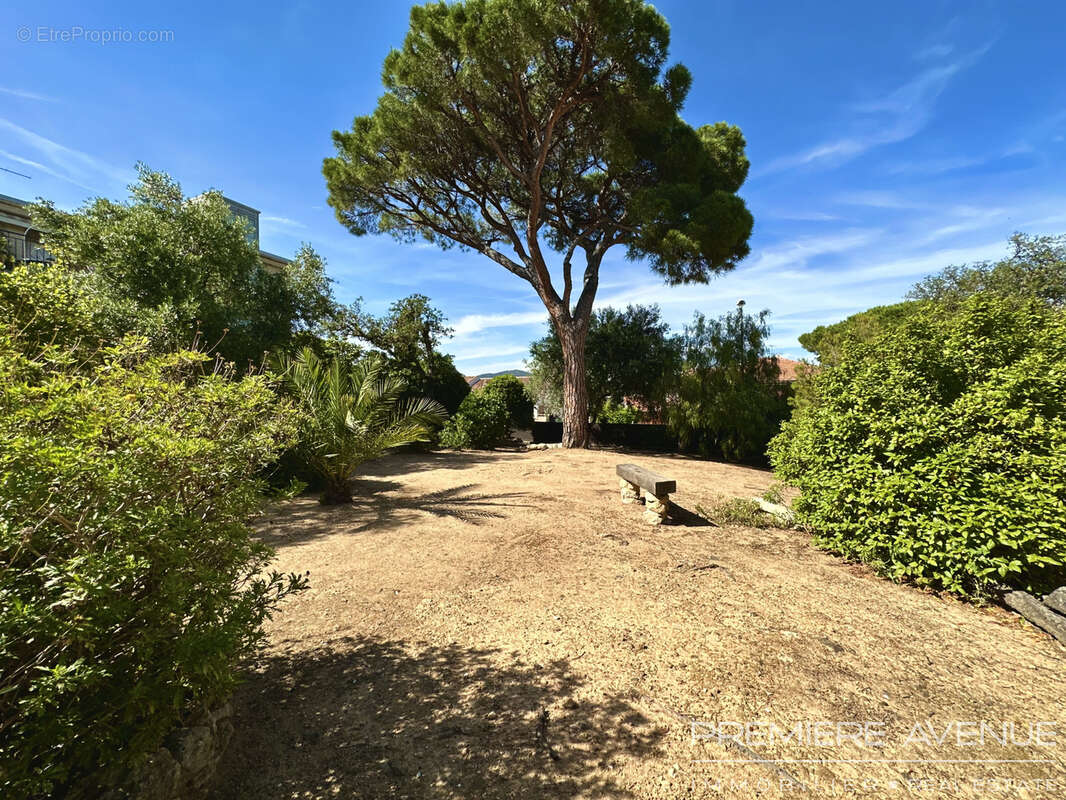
575	390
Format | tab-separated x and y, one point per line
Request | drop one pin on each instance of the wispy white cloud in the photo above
935	166
473	323
66	163
801	216
25	95
938	50
972	220
891	118
27	162
271	221
480	354
881	198
799	252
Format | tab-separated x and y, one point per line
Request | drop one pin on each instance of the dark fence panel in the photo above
637	437
547	432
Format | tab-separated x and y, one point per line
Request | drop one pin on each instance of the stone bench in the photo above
636	481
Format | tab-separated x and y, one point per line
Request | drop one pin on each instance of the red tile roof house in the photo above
788	368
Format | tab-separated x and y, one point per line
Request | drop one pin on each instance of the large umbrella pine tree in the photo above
541	133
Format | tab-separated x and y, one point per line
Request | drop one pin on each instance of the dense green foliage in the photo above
129	582
481	422
167	266
729	400
826	341
619	414
50	305
352	415
1035	268
512	393
629	355
409	337
936	450
507	125
487	416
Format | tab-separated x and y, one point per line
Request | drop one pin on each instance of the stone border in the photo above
183	767
1047	613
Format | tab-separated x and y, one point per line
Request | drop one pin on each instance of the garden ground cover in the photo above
499	624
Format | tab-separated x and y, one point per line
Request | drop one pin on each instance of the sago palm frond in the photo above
352	416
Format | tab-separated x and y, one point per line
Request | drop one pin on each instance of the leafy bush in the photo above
826	341
352	416
512	393
482	421
729	401
619	414
936	452
49	305
130	582
164	266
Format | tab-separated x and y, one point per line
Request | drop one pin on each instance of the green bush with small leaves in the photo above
485	417
620	414
130	583
482	421
512	393
936	451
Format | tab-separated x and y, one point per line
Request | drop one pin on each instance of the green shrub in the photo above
130	583
512	393
936	451
618	414
482	421
165	266
729	401
351	416
48	304
486	416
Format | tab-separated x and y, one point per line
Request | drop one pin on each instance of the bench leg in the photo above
630	491
656	508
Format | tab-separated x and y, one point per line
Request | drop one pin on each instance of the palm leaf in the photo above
353	416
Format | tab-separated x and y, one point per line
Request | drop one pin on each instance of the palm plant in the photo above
352	416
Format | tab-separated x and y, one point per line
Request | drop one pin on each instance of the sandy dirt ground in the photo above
500	625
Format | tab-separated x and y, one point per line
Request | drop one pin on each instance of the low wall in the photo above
637	437
184	766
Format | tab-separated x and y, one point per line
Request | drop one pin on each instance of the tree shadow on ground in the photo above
679	515
404	463
371	718
376	509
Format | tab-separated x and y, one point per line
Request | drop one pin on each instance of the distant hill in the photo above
518	373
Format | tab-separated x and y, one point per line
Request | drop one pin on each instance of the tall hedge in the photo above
937	451
129	581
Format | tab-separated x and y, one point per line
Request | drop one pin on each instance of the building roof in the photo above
788	368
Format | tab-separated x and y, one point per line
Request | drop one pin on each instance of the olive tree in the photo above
520	129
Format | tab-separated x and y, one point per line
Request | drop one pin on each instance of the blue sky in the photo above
887	140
